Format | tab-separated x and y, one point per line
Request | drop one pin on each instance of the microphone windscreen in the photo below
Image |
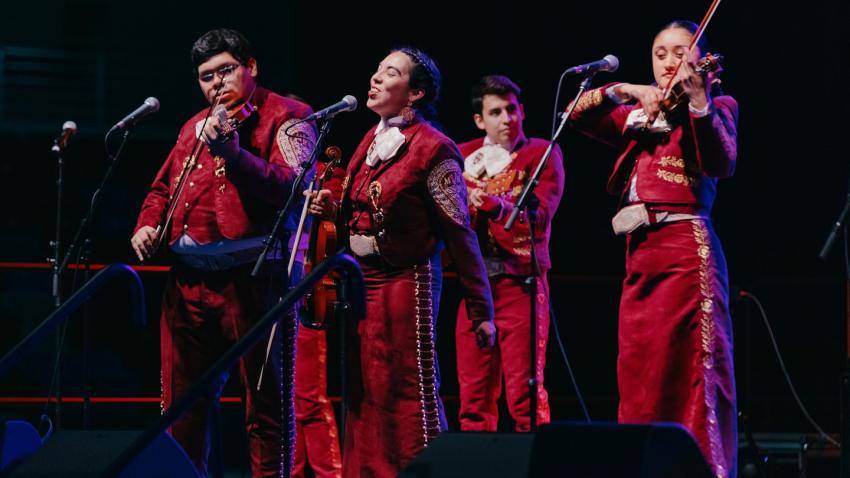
613	61
153	103
351	101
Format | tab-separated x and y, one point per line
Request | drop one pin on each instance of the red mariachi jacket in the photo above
422	197
238	199
678	169
514	247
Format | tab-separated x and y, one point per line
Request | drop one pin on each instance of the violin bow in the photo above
694	41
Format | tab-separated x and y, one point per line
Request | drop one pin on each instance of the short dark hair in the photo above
221	40
498	85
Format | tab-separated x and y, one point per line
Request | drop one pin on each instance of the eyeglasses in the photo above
221	72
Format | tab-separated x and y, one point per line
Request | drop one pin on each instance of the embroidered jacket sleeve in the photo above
270	179
715	137
597	116
448	192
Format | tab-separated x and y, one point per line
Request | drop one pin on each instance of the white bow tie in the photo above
386	144
637	119
491	158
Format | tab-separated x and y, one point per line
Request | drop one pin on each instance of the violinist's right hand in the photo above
648	96
323	205
144	242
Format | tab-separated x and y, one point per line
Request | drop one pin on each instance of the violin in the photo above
319	306
233	120
676	100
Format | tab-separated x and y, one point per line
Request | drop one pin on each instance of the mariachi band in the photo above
407	198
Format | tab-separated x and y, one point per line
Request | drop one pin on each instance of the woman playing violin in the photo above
675	334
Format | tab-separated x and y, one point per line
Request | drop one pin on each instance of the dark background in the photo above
94	61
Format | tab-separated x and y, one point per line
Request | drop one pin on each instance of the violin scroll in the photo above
334	153
709	64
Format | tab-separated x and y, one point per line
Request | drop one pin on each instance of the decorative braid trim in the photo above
161	393
425	355
707	328
288	331
589	100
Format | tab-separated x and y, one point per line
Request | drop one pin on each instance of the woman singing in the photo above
403	198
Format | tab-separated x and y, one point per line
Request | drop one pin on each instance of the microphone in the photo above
610	63
61	141
349	103
151	105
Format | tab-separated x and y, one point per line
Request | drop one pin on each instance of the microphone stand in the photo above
57	241
840	223
57	274
836	227
528	202
95	200
282	213
83	250
288	384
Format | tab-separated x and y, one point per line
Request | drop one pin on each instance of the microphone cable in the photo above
552	318
557	99
554	322
846	254
785	373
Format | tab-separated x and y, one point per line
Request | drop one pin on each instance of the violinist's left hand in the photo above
222	139
693	84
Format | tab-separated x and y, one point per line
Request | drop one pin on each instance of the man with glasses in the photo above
243	172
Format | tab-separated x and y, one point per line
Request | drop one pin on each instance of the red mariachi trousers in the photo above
394	405
675	337
203	314
316	440
480	371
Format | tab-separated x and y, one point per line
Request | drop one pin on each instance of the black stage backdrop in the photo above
94	61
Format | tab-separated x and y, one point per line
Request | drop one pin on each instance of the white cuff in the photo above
613	96
699	113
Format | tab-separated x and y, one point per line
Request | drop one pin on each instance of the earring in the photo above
408	114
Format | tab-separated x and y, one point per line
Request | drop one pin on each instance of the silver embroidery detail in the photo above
161	393
446	185
298	144
287	334
425	354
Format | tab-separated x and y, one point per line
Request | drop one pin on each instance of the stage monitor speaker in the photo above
473	454
84	454
564	449
597	450
18	440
